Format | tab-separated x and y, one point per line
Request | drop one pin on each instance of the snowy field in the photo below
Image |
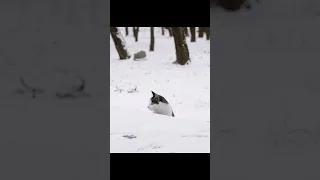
266	91
133	127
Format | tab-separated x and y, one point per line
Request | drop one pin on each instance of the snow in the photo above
266	91
156	133
186	88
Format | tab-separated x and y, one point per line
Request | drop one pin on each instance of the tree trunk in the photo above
162	31
122	51
193	34
151	39
127	31
207	32
201	32
186	31
182	52
136	32
170	30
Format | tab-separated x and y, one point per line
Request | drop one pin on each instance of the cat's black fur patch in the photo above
156	98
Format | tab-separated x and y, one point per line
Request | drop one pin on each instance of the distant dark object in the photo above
139	55
129	136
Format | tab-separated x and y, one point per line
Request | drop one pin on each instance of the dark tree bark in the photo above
207	32
127	31
182	52
151	39
136	33
201	32
170	30
193	34
186	31
122	51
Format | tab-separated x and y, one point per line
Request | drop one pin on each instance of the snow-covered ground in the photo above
133	127
266	91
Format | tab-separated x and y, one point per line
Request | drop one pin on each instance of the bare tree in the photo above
136	33
186	31
193	34
122	51
182	52
170	30
127	31
162	31
201	32
207	32
151	39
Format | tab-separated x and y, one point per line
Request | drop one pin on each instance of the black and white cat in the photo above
159	105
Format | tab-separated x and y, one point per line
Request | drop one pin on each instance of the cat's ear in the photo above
153	94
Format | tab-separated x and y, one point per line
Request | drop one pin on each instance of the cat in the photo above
159	105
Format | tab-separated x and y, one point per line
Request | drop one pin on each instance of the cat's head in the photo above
156	99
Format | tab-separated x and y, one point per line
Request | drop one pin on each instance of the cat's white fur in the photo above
161	108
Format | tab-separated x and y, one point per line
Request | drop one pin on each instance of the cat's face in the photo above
155	100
